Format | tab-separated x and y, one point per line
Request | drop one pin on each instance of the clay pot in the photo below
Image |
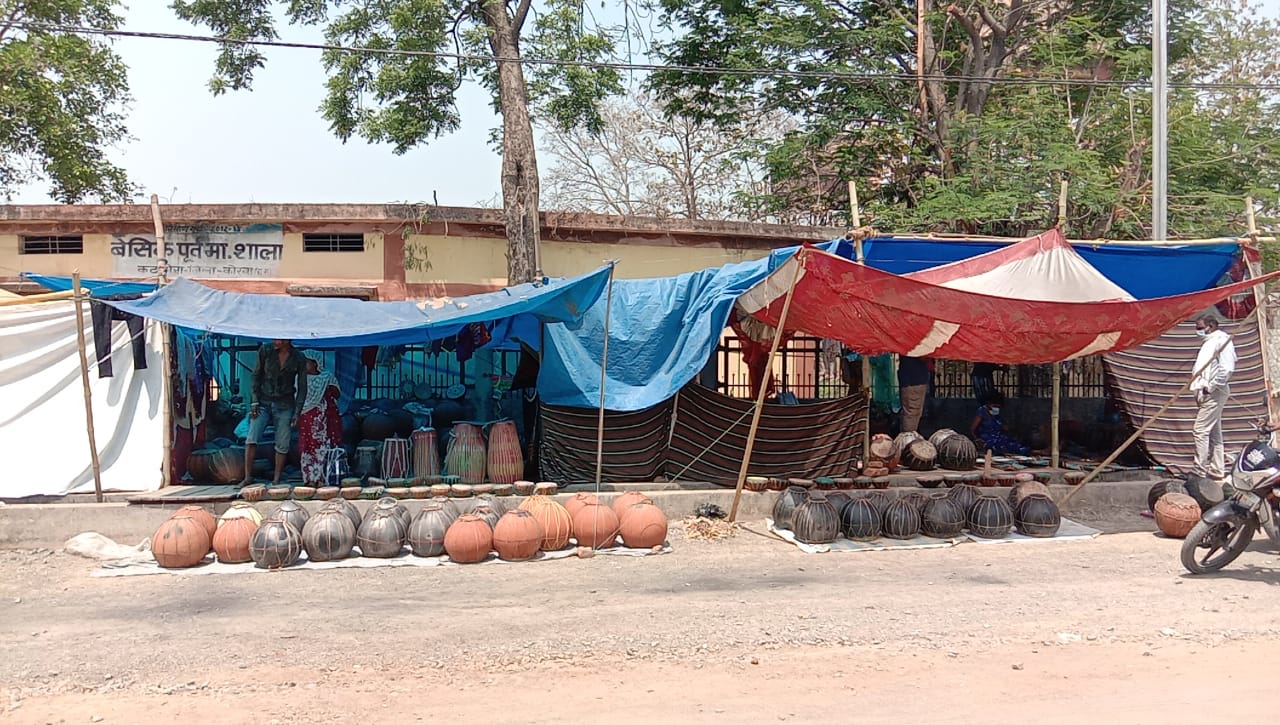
595	526
347	508
1022	489
1176	514
815	520
756	483
955	452
468	540
278	493
201	515
990	518
427	531
918	499
325	493
328	536
491	500
644	526
838	499
900	445
942	518
275	545
180	542
217	465
919	455
231	540
784	508
901	520
556	523
517	536
965	495
578	500
292	513
241	510
859	520
1037	516
253	493
381	535
487	512
932	480
880	501
460	490
390	504
303	493
622	504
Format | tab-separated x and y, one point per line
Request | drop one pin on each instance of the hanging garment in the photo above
103	317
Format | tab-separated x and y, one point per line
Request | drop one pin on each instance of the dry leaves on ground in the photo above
700	527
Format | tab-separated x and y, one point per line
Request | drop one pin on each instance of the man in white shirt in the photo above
1215	363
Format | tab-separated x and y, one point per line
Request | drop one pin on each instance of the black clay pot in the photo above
488	512
347	508
941	518
1169	485
381	536
1022	489
1037	516
275	545
956	453
880	501
292	513
815	520
784	508
918	499
990	518
387	503
426	532
901	521
838	499
859	520
328	536
965	495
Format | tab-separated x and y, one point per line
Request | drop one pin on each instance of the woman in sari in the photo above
319	425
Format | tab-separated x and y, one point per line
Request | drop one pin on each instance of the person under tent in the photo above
989	432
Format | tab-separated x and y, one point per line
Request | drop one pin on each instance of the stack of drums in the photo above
955	451
466	456
505	460
426	453
395	458
882	453
919	455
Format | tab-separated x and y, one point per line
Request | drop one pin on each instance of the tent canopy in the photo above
324	322
96	287
876	312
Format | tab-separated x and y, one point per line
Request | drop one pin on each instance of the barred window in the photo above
63	244
333	242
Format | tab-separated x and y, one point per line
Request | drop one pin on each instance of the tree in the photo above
965	149
406	96
61	101
647	162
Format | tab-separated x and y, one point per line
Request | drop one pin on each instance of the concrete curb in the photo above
50	525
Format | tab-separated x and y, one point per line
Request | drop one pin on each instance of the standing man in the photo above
913	386
1215	363
279	390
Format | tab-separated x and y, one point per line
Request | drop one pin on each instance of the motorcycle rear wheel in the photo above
1221	542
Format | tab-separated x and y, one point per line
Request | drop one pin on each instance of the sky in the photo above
270	144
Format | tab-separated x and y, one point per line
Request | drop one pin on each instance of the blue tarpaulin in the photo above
661	333
96	287
323	322
1144	272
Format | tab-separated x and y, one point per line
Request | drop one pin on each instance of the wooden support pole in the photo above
1142	429
32	299
798	259
166	368
78	299
1260	308
604	361
1055	447
855	213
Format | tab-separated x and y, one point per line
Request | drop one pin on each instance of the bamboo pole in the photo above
1260	306
604	361
32	299
78	298
773	352
166	368
1055	415
1142	429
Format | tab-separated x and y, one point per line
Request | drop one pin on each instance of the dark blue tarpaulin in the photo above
1144	272
324	322
96	287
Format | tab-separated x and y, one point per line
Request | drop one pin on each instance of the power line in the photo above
849	76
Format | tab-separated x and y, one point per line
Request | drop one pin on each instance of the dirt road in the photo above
747	629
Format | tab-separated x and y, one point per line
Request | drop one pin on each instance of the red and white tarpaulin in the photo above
1018	305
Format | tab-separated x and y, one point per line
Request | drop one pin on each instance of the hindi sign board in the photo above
203	251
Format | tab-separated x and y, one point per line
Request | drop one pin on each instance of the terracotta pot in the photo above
303	493
427	531
275	545
1176	514
990	518
231	541
815	520
1037	516
278	493
253	493
622	504
1161	488
201	515
578	500
556	523
328	536
468	540
420	492
292	513
517	536
180	542
859	520
643	526
382	533
595	526
241	509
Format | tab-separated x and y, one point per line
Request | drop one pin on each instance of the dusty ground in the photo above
747	629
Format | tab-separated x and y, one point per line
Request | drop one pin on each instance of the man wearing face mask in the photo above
1215	363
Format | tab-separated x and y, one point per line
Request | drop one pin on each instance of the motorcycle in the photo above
1226	529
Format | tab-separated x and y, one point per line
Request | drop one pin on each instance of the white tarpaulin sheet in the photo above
42	417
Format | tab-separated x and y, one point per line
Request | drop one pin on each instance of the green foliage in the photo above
62	98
